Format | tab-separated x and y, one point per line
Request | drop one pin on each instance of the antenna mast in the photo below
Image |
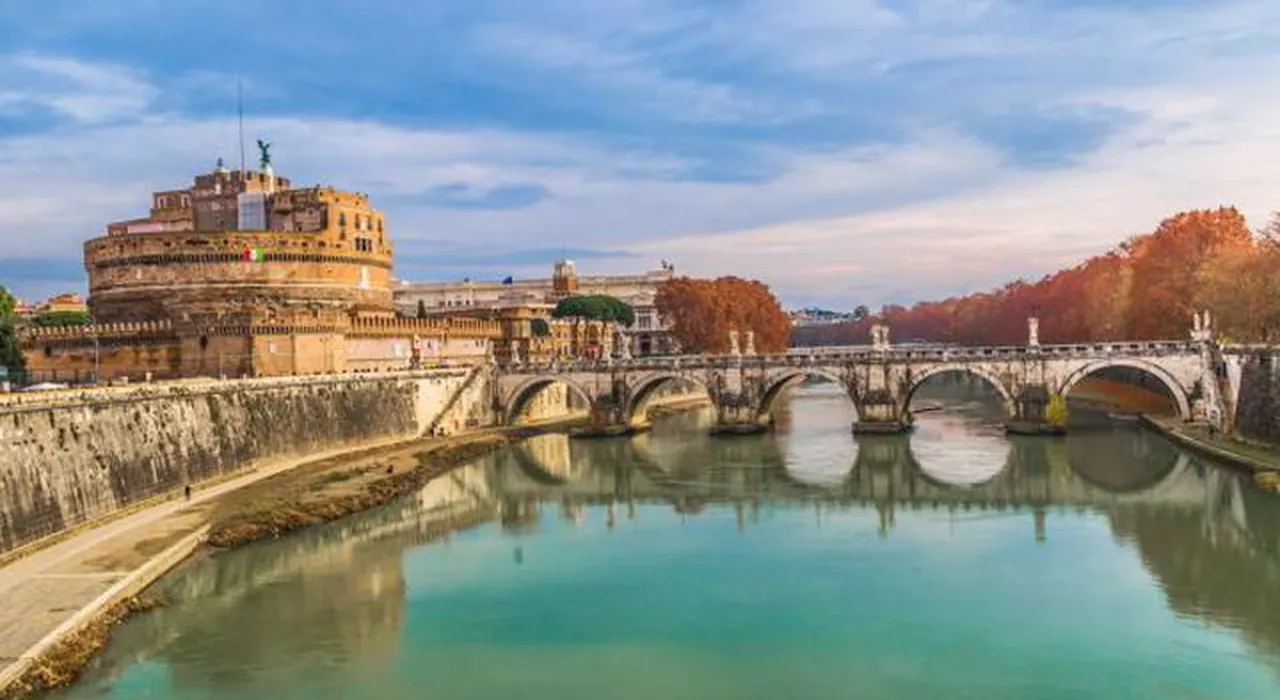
240	119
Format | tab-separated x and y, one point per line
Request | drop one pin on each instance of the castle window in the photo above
379	225
204	342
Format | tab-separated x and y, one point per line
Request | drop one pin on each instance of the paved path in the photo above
52	587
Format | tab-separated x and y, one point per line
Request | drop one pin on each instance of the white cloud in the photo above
84	92
934	212
1197	148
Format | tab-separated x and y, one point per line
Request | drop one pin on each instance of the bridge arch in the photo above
778	383
917	380
1175	388
529	388
640	394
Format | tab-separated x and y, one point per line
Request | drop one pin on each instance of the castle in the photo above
242	274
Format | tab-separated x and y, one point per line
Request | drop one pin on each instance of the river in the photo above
804	564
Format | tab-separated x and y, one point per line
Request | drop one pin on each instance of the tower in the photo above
564	280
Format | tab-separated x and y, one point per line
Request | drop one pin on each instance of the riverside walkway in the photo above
55	591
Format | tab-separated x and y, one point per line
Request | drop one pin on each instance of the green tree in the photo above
597	307
422	309
10	351
540	328
60	318
861	312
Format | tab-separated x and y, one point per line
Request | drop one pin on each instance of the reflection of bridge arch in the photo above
962	453
1175	388
918	380
538	469
1035	473
786	380
528	389
643	391
1128	475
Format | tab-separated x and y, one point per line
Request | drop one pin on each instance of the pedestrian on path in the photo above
186	492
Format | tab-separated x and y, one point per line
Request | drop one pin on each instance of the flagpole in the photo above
240	118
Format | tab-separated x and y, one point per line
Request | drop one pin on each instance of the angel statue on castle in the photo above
264	148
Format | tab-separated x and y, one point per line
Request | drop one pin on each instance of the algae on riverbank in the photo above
326	497
64	663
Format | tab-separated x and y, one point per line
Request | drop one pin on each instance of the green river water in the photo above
956	563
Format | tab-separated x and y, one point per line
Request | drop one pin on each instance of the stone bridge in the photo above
879	379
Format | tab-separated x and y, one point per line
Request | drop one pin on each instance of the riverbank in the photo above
62	602
1245	454
295	501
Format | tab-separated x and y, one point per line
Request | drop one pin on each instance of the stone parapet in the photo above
408	327
43	400
97	330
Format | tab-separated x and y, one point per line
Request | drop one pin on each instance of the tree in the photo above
422	309
701	313
1241	285
540	328
60	318
1147	287
1166	265
11	356
1056	412
861	312
596	307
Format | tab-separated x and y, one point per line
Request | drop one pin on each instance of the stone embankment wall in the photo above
77	456
1258	401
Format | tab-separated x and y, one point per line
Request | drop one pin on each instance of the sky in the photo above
845	152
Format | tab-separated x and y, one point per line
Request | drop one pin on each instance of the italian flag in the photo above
252	255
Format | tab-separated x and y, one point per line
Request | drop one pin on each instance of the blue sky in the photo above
844	151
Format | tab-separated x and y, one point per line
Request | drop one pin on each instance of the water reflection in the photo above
326	613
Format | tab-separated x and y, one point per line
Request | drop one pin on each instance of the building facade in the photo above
241	274
69	303
648	336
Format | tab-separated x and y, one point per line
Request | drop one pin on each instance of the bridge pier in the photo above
738	414
1031	418
880	413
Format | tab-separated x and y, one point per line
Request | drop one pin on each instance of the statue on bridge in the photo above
1033	332
1202	327
880	337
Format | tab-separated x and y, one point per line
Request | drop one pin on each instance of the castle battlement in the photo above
457	327
98	330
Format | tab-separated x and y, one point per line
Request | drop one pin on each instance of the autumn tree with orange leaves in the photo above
702	312
1148	288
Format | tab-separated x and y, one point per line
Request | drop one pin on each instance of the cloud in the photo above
462	195
453	261
84	92
846	151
